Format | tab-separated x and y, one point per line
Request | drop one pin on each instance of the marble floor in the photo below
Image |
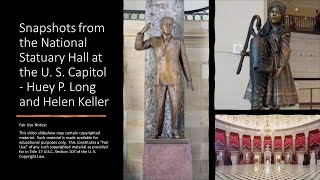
267	172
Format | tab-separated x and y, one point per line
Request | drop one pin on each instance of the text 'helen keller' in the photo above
66	64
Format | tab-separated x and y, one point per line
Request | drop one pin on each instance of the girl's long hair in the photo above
267	26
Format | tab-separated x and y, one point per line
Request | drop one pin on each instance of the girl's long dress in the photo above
282	90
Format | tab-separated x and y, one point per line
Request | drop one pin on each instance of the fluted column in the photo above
306	135
272	144
240	140
262	144
282	144
294	143
251	143
228	139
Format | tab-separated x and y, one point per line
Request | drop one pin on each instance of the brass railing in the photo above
301	24
311	100
309	89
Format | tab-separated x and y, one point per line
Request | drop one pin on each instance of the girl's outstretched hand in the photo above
278	73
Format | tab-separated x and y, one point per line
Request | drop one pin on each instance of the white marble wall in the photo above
232	21
133	103
305	63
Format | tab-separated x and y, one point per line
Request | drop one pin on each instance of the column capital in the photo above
240	135
306	134
227	132
293	136
251	137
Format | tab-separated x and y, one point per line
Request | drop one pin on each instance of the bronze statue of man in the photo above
170	62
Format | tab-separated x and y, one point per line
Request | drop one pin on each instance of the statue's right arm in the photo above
140	44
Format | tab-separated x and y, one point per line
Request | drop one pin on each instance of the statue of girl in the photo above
281	90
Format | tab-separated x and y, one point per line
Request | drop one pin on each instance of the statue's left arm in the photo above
185	65
285	51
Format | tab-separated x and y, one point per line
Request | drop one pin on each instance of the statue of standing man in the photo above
170	62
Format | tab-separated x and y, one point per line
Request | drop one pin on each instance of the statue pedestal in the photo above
267	157
318	162
234	159
312	161
167	159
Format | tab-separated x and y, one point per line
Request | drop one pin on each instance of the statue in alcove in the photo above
227	160
313	155
216	160
271	83
252	158
170	63
282	157
294	158
241	156
306	159
306	156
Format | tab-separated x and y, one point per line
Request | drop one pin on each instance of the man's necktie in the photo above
167	41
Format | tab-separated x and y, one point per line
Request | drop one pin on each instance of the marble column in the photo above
272	144
228	139
155	10
282	139
306	136
252	137
262	144
293	143
240	140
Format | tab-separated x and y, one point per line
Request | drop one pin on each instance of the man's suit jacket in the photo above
168	59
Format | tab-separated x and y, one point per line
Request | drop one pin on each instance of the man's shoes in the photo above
175	134
157	136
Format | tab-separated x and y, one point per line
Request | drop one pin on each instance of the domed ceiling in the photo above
275	121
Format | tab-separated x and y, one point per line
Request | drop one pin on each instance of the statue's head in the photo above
277	12
166	25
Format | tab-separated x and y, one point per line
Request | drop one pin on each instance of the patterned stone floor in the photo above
267	172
